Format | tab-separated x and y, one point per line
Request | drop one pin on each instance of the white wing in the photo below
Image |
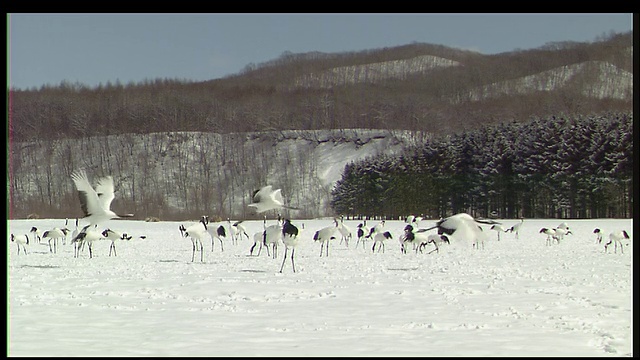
105	190
88	197
266	199
262	194
277	196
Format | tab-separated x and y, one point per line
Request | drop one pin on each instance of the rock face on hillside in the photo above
170	175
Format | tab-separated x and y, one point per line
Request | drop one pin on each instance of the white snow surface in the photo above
517	297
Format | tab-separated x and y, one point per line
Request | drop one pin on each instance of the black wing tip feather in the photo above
221	231
83	202
427	229
487	221
255	193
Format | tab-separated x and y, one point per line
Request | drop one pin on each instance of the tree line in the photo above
139	129
182	175
556	167
401	90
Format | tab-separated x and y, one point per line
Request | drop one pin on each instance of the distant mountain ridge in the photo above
417	87
293	122
374	72
600	80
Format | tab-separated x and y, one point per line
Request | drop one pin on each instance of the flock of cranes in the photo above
264	199
96	202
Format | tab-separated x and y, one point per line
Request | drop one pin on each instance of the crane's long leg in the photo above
436	249
292	264
284	258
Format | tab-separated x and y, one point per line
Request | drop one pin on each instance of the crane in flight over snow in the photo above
267	199
95	203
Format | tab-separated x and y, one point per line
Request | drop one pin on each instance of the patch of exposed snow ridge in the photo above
602	80
374	72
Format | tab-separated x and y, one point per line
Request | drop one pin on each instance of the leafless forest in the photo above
181	148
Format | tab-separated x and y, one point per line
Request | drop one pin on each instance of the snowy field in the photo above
517	297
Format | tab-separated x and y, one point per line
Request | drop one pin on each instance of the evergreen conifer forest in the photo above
558	167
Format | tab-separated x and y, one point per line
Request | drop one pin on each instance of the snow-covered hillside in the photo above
599	80
195	172
374	72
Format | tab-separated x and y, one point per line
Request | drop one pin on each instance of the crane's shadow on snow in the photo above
252	271
403	269
40	266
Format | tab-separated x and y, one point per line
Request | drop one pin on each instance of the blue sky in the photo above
100	48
